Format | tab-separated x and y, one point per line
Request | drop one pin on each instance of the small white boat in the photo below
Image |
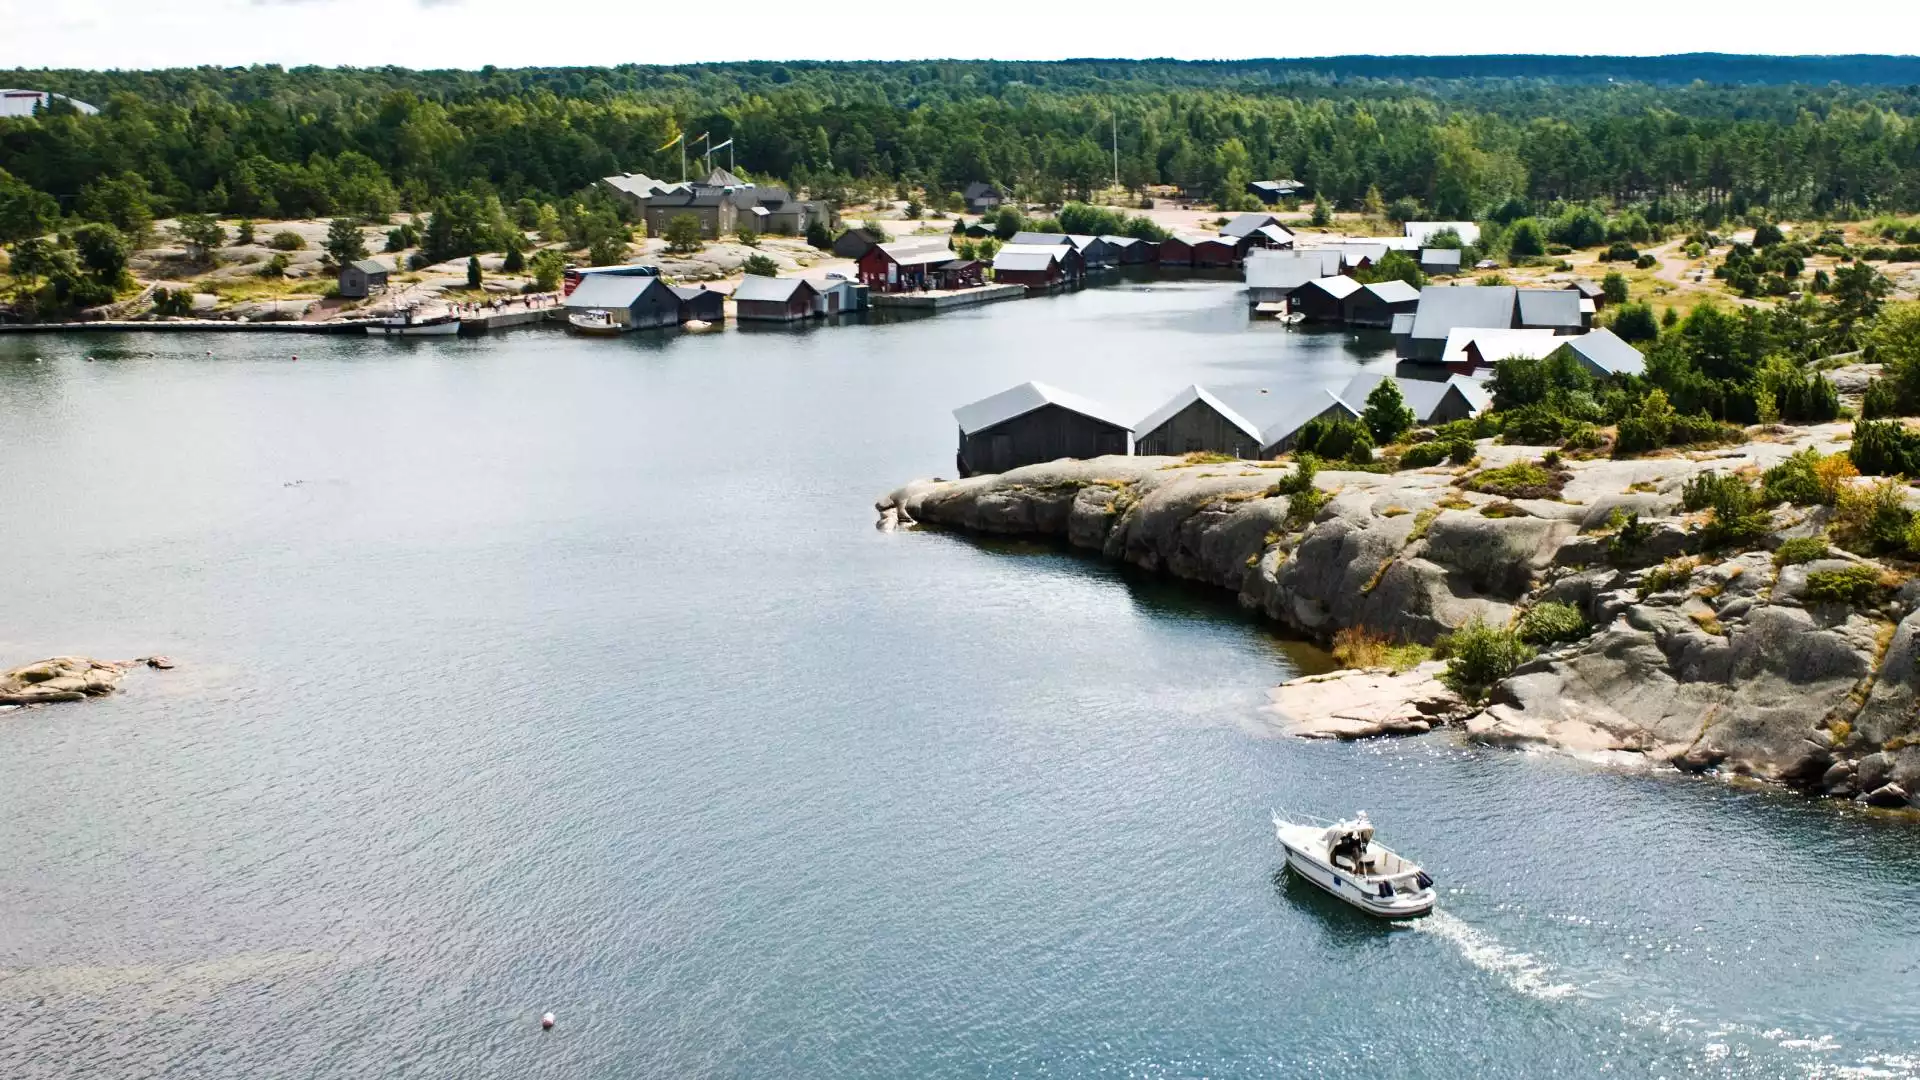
593	321
405	325
1342	858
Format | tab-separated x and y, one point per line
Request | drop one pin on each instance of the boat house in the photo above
1442	309
1376	304
773	299
1432	402
632	303
1036	268
1325	299
700	304
1032	423
1439	260
903	265
363	278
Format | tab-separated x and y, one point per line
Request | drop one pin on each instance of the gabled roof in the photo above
1393	292
1173	405
1192	238
1558	308
1028	237
722	178
1587	287
979	189
1023	399
637	184
1247	224
1497	344
1024	259
1423	396
1082	243
1439	256
1352	252
1337	286
1121	241
778	290
918	252
694	292
1276	233
1422	231
371	266
1442	308
1607	351
609	291
1284	270
1402	324
1296	411
1057	252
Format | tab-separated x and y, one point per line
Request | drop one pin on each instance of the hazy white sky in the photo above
514	33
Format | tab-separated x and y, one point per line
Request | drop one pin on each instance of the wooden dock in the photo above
343	326
943	299
471	325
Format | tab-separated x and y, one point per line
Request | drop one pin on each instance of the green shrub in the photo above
1632	535
1701	491
287	240
1583	437
1884	448
1646	428
1520	480
1459	451
1847	585
1550	622
1338	438
1794	481
1701	429
1737	519
1879	401
1422	455
1873	519
1304	500
1534	425
1478	656
1800	549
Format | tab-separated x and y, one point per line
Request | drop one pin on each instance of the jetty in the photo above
945	299
340	326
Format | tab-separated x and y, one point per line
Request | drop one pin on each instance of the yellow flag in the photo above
671	141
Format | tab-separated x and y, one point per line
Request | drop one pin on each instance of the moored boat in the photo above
405	325
1342	858
593	321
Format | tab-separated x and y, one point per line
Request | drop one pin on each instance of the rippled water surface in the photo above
531	673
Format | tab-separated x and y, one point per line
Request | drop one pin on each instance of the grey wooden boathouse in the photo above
1032	423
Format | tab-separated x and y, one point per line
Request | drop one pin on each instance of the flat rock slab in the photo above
1363	703
60	678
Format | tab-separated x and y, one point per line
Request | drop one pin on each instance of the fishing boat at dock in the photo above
405	324
593	321
1341	858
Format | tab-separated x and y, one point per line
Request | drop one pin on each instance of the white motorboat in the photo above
593	321
1342	858
405	325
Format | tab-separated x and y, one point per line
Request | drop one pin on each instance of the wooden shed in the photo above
1215	252
1376	304
1324	299
773	299
1032	423
1195	420
363	278
697	302
837	296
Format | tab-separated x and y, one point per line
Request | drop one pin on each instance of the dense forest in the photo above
1458	137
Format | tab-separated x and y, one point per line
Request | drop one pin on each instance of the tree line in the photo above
265	142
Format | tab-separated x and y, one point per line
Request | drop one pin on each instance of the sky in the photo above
520	33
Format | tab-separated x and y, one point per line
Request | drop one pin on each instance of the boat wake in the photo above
1525	972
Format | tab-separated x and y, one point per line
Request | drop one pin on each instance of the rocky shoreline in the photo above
67	678
1702	660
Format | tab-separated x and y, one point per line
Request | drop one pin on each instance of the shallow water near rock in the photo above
530	673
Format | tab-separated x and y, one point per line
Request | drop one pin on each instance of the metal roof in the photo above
1393	292
1439	256
371	266
1557	308
1423	396
1247	224
1282	270
1587	287
1023	399
1609	352
1402	324
1295	411
1337	286
609	291
775	289
1443	308
1497	344
1025	236
1276	233
22	102
1024	259
1121	241
1195	392
1422	231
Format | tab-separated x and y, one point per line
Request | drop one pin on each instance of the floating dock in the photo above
943	299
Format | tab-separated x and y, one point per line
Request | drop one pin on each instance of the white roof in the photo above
1024	259
609	291
1172	406
1393	291
23	102
1607	351
1057	252
1025	398
1499	344
1422	231
1337	286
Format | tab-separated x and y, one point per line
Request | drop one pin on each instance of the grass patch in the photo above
1551	622
1672	574
1520	480
1706	621
1502	509
1478	656
1454	502
1422	522
1200	457
1357	647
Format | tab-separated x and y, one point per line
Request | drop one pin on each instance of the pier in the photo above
943	299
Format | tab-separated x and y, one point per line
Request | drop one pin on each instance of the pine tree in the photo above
1386	415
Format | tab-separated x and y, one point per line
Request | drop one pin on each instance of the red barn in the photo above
903	265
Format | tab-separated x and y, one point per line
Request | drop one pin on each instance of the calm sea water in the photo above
530	673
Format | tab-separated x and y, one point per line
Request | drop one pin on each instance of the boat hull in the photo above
1351	889
442	329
